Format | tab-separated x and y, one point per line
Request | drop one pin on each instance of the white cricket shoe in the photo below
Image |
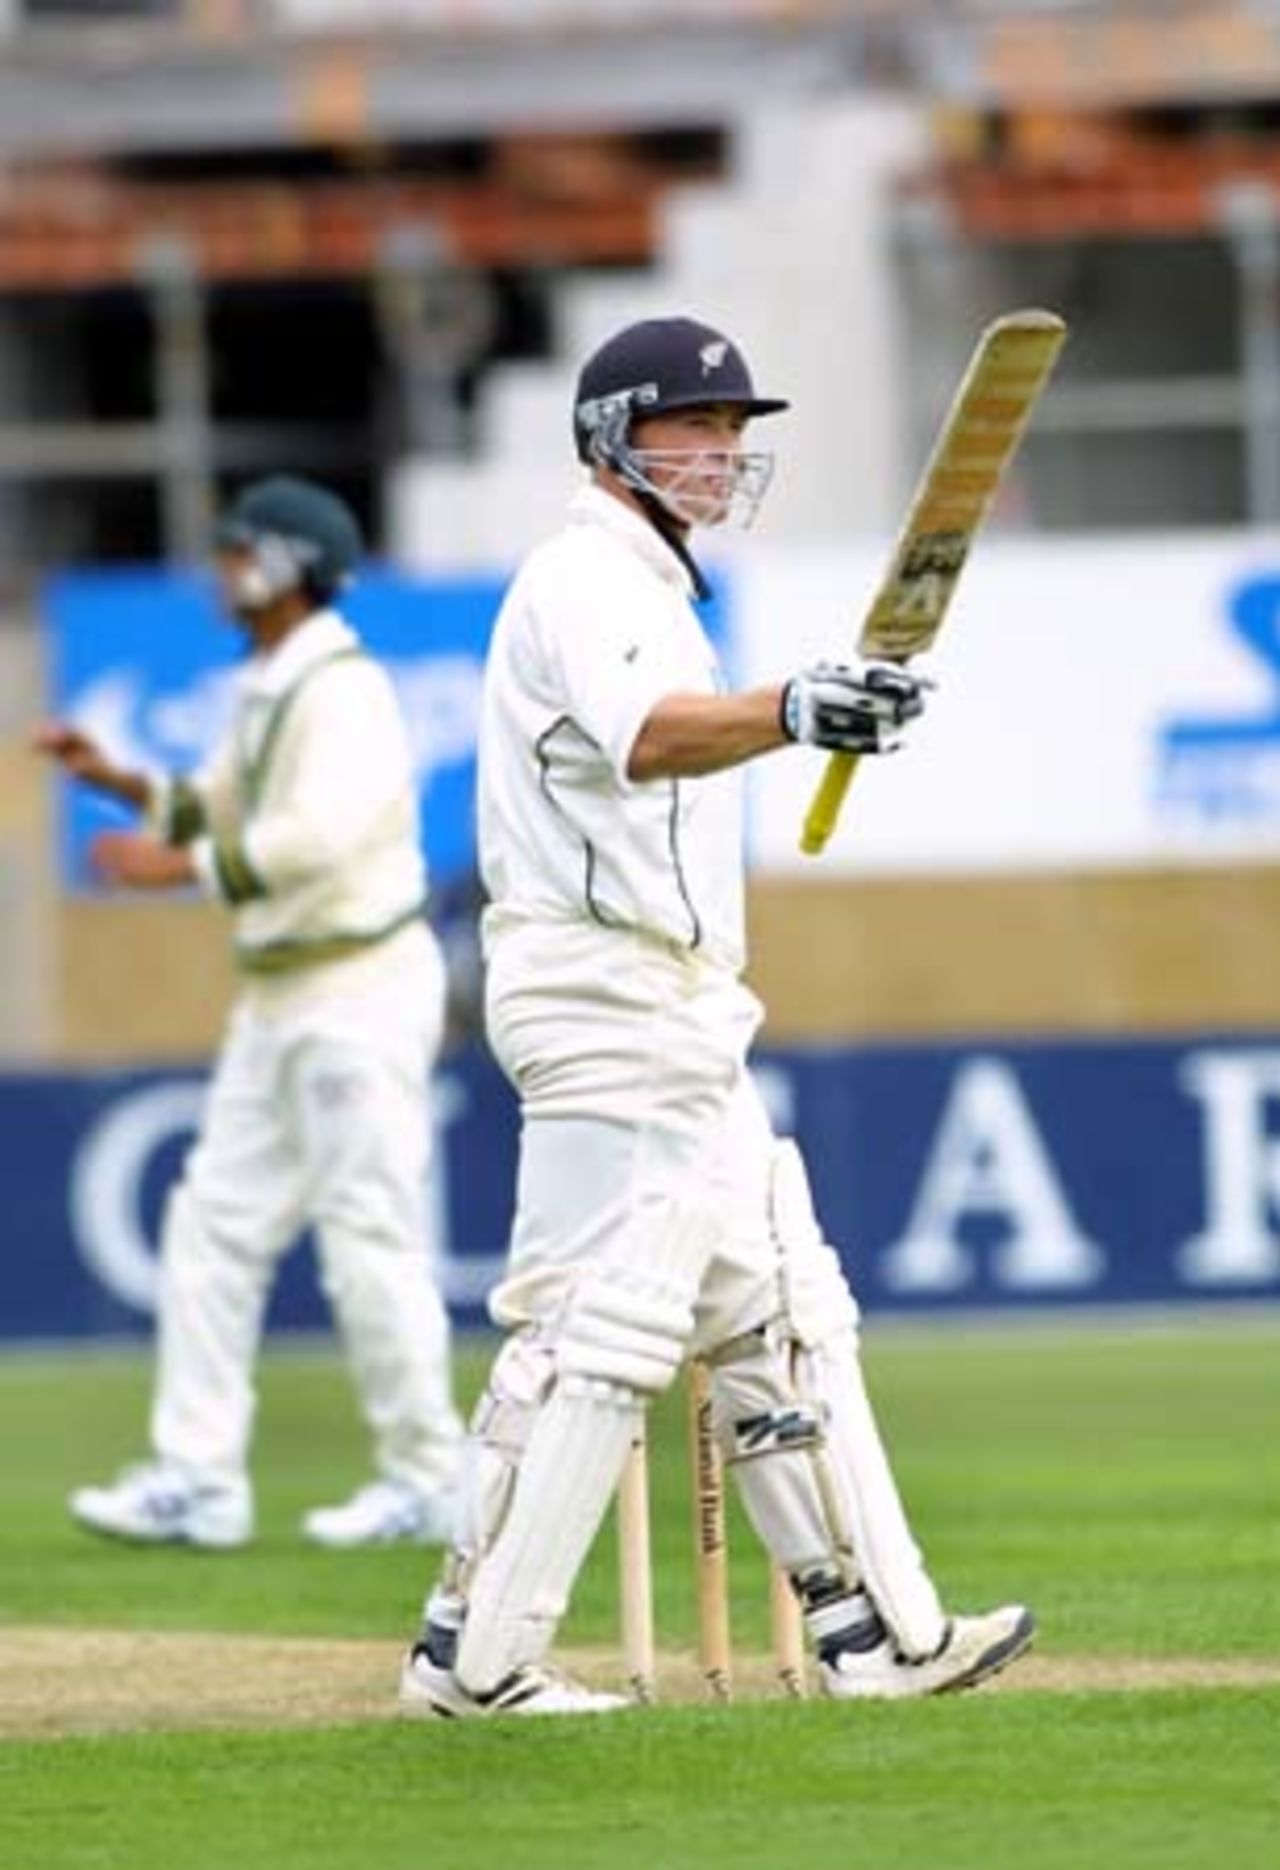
385	1512
159	1504
973	1650
430	1691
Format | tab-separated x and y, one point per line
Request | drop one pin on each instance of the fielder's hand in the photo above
133	861
851	708
81	756
77	751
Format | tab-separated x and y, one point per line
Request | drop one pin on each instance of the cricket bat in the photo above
1011	363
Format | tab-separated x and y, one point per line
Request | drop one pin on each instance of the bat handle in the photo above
820	819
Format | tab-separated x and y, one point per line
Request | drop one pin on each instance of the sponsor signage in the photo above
1025	1176
1101	702
88	1159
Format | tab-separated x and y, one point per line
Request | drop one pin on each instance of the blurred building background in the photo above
371	239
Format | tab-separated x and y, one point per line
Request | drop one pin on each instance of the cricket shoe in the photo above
386	1512
157	1503
972	1651
428	1690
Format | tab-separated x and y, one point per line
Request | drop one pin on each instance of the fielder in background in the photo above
657	1215
303	822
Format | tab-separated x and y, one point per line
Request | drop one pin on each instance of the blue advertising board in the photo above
1029	1176
1225	767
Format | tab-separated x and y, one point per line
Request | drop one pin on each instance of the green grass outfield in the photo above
1125	1482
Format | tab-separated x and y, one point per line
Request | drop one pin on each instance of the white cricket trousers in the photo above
629	1059
319	1118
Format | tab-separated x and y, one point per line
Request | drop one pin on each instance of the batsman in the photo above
657	1215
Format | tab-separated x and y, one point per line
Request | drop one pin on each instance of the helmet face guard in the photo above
660	367
269	567
288	535
704	487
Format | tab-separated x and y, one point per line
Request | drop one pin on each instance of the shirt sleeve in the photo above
615	655
182	805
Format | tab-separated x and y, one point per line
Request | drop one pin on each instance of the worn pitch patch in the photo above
59	1682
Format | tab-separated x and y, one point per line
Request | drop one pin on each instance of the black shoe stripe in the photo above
512	1692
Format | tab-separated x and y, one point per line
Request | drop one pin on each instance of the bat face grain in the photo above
1010	366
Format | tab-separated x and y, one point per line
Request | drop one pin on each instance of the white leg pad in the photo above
628	1326
566	1479
501	1425
775	1447
887	1555
822	1317
815	1293
629	1319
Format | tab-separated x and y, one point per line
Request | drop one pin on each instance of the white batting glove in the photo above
859	707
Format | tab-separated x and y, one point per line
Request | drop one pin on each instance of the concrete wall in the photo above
1163	952
1156	951
87	979
28	939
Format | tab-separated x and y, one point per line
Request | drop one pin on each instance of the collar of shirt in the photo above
321	635
592	506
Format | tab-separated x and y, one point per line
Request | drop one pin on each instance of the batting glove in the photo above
851	708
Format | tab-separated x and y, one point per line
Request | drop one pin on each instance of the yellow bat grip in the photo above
824	809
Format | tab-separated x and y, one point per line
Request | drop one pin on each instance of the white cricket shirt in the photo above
306	815
597	628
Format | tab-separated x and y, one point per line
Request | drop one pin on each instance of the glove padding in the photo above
851	707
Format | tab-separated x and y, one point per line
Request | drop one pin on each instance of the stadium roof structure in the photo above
227	73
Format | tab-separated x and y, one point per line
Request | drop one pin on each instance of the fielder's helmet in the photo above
304	535
652	367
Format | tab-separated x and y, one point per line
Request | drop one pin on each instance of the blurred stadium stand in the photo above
455	197
451	198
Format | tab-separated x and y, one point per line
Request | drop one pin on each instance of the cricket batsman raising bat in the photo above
1011	364
658	1218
